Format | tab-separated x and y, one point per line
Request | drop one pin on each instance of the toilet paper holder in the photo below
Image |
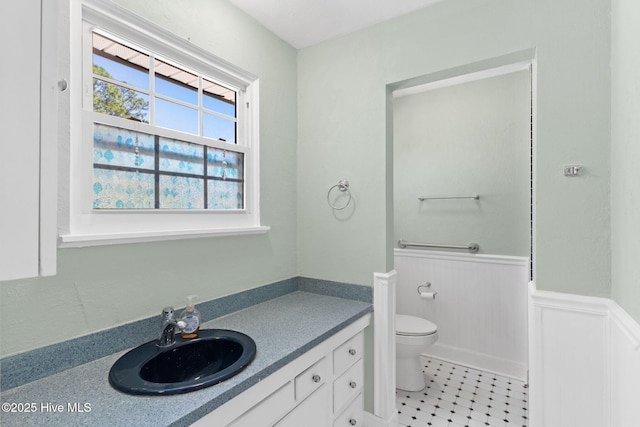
425	291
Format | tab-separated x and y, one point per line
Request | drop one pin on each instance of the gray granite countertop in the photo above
283	329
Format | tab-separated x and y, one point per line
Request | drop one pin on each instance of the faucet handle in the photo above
167	313
169	326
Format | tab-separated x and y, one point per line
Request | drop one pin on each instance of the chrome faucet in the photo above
169	326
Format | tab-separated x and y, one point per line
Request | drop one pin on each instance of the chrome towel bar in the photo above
471	247
473	196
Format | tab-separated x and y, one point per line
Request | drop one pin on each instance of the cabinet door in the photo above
313	412
348	353
28	119
268	411
348	386
353	415
20	160
311	379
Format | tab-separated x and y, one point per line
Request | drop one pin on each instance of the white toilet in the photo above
413	336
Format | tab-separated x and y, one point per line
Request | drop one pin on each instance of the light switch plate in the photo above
573	170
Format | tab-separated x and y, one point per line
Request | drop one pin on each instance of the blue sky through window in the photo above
175	116
176	91
218	128
122	72
217	105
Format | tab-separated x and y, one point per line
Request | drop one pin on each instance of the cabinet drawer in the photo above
353	415
312	378
268	411
348	353
347	386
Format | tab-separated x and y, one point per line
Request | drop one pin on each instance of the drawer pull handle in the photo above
352	421
316	378
352	351
353	384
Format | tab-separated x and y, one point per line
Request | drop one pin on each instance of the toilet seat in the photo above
414	326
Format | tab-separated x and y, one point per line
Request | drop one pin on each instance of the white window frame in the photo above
85	226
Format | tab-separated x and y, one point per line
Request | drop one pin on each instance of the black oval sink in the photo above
188	365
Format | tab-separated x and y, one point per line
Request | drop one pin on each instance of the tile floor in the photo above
457	396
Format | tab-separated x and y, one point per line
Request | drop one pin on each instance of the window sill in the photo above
83	240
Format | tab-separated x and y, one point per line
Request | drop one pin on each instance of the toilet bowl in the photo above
413	336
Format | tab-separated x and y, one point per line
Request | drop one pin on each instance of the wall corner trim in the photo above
625	323
384	358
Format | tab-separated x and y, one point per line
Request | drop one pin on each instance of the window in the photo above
164	143
136	170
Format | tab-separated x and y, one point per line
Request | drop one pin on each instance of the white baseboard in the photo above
481	361
584	357
371	420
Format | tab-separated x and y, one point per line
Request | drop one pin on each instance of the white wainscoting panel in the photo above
480	308
569	382
624	368
585	362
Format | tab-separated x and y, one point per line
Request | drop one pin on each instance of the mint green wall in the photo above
100	287
470	138
625	155
333	98
342	116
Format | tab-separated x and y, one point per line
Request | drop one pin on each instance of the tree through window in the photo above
116	100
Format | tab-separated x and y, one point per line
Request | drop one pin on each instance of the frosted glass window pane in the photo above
218	128
225	194
184	157
225	164
113	189
120	147
175	116
178	192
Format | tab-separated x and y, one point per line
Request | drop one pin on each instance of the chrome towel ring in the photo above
343	186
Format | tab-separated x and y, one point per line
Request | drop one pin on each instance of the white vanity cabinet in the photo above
323	387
